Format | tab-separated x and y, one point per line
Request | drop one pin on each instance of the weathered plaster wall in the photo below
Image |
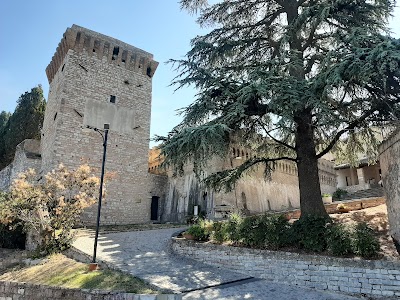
252	194
390	166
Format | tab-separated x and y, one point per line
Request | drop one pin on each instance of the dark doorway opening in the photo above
154	208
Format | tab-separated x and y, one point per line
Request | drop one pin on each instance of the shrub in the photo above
219	233
52	208
339	240
277	234
310	233
251	232
233	227
198	232
270	231
365	242
339	194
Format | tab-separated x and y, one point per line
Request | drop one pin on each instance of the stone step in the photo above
368	193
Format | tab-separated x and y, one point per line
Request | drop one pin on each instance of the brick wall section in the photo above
27	291
377	278
390	165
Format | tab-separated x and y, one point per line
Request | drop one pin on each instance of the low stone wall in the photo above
350	204
11	257
374	278
27	291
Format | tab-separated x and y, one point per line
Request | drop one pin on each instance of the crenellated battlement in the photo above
117	52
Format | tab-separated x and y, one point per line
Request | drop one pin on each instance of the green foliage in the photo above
310	232
11	234
266	231
312	76
338	240
25	123
52	208
252	233
4	116
365	242
278	231
198	232
339	194
233	227
219	232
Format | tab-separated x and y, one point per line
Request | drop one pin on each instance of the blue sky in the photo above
31	30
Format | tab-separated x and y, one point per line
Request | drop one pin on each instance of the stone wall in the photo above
11	257
253	193
390	167
5	178
350	205
27	291
95	79
27	155
374	278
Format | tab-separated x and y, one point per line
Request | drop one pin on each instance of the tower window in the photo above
115	53
112	99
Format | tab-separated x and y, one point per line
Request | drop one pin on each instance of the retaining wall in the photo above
11	257
350	204
28	291
373	278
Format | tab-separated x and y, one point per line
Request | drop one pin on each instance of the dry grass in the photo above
376	217
59	270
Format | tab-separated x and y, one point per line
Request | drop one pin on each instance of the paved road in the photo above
146	254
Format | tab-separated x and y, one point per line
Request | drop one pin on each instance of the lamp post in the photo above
93	265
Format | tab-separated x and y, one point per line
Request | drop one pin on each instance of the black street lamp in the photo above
93	265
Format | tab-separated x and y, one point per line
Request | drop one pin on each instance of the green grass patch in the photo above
59	270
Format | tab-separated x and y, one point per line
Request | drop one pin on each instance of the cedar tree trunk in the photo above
307	165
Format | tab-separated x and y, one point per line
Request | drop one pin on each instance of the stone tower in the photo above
95	79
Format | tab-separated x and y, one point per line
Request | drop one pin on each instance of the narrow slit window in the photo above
124	56
62	69
115	53
112	99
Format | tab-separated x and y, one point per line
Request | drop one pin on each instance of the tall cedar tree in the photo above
303	74
25	123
